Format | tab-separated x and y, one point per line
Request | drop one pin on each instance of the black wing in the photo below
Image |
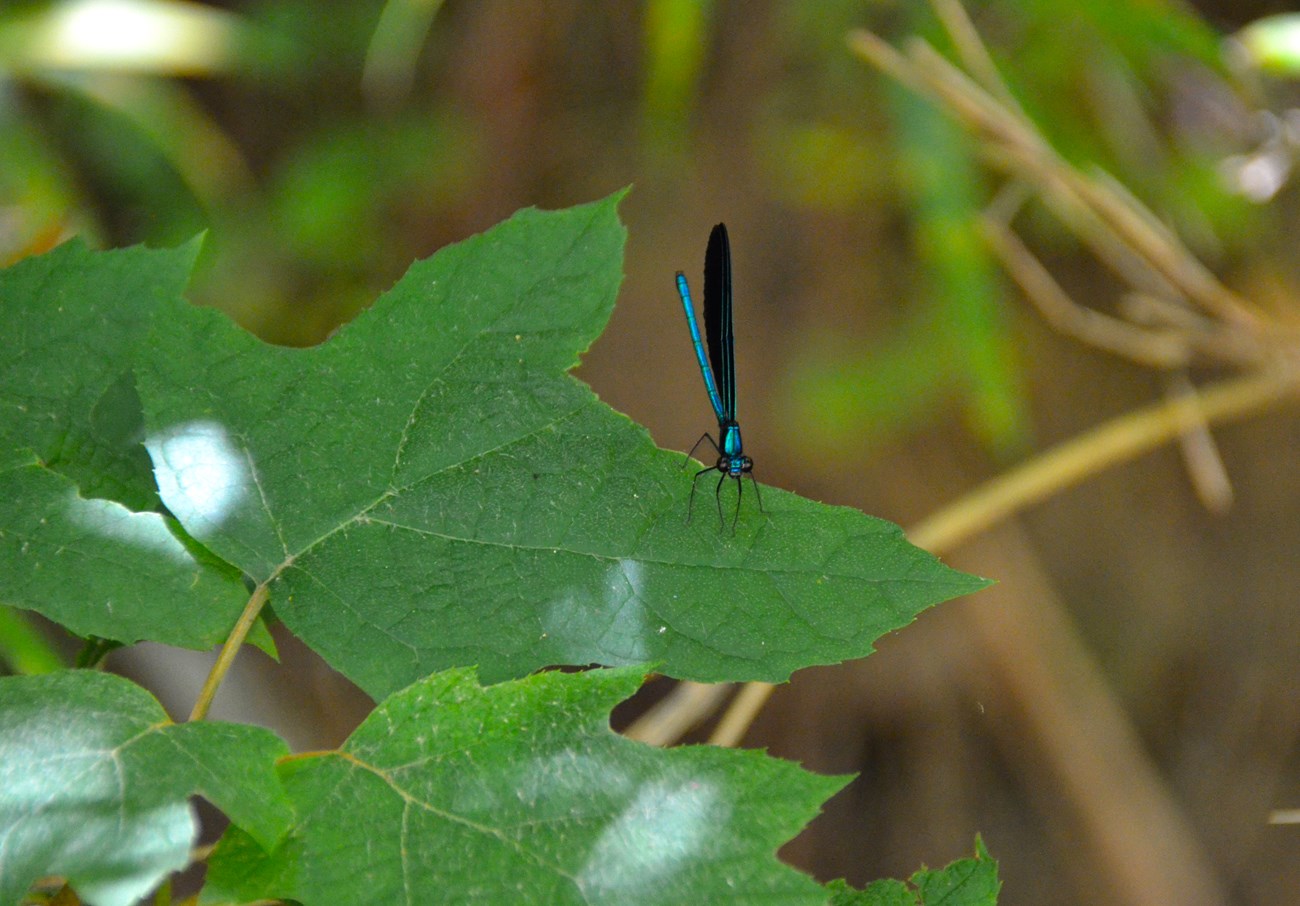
717	318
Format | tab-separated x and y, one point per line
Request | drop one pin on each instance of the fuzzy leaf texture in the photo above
94	783
429	489
521	793
79	540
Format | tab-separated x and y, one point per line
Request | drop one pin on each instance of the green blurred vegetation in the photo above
261	136
321	144
956	344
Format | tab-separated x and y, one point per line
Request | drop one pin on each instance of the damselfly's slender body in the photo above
719	371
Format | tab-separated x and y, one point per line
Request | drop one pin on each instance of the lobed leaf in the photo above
428	489
78	540
520	792
94	783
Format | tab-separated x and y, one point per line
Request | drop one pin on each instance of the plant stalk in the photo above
228	651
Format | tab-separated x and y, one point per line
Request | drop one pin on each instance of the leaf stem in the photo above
228	651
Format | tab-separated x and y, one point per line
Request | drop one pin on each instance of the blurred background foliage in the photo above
886	361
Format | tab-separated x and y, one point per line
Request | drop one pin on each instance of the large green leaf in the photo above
94	782
520	792
429	489
72	467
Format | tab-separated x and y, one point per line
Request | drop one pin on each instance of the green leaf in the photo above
878	893
429	489
94	780
73	471
520	792
99	569
74	323
966	882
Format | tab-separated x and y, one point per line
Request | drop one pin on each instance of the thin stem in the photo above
1165	252
1118	440
1201	457
973	51
228	651
1028	155
671	717
1160	348
738	718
